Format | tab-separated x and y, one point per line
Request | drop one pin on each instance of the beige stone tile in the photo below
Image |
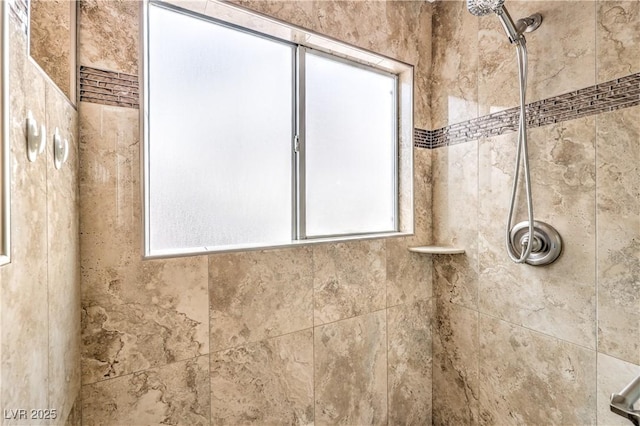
176	394
50	40
423	195
193	5
455	280
344	21
455	197
454	82
145	315
359	23
455	222
409	363
24	367
259	294
558	299
351	371
618	259
423	64
408	274
268	382
75	415
561	54
136	314
613	376
109	179
63	258
109	35
349	279
455	365
618	39
530	378
455	219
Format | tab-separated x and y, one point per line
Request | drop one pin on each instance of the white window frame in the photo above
303	41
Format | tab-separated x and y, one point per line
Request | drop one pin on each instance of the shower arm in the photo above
622	403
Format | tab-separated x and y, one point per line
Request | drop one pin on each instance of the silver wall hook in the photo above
60	149
36	138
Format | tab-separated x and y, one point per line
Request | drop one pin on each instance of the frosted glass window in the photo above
350	148
219	161
253	140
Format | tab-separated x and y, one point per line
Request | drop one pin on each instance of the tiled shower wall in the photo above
332	333
519	344
40	288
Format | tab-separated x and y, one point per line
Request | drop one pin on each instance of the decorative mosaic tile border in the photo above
119	89
616	94
109	88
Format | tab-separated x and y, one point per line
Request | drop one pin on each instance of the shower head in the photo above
483	7
514	30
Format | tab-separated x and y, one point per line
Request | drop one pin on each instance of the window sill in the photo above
159	254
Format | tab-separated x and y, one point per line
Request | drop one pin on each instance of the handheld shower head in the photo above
514	30
483	7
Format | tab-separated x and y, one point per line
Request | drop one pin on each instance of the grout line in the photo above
209	339
595	215
313	329
386	327
157	367
527	328
253	342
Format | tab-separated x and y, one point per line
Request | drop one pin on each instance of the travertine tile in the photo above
256	295
409	363
109	34
455	365
408	274
561	54
24	319
530	378
455	197
176	394
351	371
423	66
618	260
268	382
109	179
343	20
75	415
137	314
193	5
348	279
456	280
50	40
63	259
146	315
423	195
454	82
558	299
406	34
455	222
618	39
613	376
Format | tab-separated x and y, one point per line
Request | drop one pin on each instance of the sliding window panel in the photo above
219	163
351	146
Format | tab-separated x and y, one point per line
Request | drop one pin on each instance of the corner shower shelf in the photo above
437	250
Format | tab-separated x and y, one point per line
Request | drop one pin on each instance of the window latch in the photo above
296	143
